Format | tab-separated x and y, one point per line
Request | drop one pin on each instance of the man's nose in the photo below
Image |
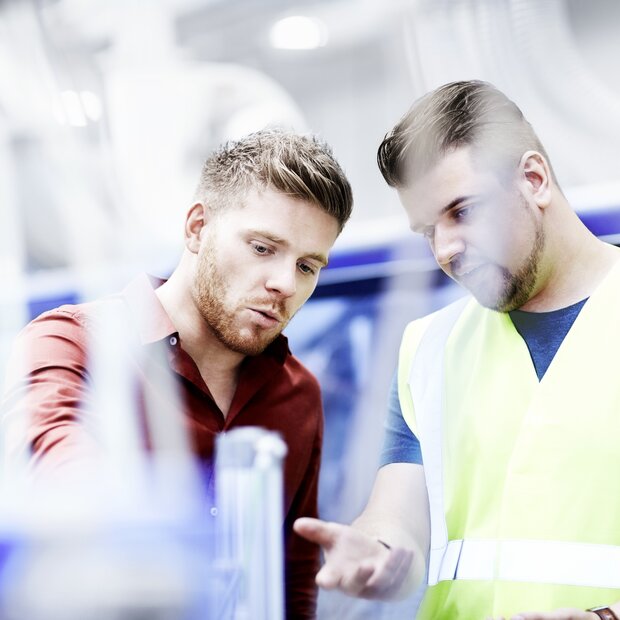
283	280
447	243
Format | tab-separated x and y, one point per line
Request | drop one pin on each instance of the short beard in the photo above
209	291
518	288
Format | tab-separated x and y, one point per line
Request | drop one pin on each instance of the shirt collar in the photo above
154	324
278	349
150	318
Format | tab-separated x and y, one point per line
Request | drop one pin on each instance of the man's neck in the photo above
217	364
576	263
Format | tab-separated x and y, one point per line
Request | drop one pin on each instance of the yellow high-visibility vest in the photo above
523	476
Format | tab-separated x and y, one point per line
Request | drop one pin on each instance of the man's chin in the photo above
250	346
488	289
498	304
491	301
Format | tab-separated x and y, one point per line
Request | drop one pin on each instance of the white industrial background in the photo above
108	108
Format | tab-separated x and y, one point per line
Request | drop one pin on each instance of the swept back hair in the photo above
468	113
301	166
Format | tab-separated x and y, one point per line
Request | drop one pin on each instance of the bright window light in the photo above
72	107
76	109
92	105
298	33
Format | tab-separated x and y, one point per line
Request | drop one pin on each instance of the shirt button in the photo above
173	340
213	511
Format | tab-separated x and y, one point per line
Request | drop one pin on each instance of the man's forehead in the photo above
458	172
303	228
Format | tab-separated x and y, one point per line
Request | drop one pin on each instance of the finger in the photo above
354	583
327	578
390	575
390	571
316	531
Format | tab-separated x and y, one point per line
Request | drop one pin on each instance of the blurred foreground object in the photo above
145	557
115	531
124	530
249	500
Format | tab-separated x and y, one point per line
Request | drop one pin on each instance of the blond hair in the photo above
297	165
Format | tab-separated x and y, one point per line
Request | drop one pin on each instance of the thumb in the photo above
316	531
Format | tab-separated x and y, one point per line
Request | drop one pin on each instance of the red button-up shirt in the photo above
274	391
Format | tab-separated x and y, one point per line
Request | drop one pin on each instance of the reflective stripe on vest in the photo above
426	383
534	561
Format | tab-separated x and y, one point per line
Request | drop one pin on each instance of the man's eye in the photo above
463	212
259	248
307	269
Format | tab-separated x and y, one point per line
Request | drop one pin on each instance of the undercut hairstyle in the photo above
459	114
300	166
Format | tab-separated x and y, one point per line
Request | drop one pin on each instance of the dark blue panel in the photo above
37	306
352	258
602	221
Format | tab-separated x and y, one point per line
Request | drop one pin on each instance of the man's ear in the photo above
537	177
196	220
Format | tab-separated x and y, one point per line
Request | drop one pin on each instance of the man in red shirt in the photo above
266	213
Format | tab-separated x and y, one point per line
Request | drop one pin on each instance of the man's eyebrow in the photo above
455	203
319	258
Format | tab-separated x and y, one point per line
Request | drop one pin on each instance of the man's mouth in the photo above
266	318
462	271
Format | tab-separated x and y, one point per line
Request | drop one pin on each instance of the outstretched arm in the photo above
397	514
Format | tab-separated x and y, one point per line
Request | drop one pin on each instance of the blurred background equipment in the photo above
108	108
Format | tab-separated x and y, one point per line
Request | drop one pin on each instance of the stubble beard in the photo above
517	288
209	292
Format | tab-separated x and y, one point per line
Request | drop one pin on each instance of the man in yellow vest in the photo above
510	397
